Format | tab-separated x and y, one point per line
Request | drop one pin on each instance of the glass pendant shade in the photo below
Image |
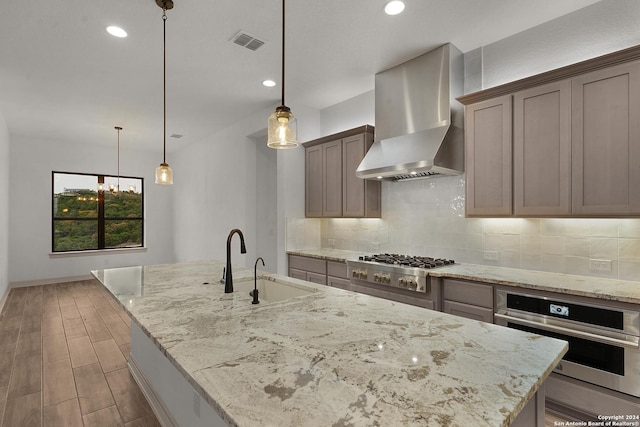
282	129
164	174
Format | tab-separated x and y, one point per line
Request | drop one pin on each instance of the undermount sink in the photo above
273	291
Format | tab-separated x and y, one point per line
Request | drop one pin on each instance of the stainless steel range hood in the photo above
419	124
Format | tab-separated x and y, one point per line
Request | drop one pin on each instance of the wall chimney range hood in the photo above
419	124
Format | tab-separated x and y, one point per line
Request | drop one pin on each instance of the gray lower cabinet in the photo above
467	299
578	400
337	276
308	268
320	271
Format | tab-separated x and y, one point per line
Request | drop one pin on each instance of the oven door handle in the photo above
634	344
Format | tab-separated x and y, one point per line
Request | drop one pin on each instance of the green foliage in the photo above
123	220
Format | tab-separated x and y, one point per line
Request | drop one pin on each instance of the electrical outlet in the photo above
196	404
600	265
491	256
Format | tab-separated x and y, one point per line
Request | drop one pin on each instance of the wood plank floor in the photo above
63	351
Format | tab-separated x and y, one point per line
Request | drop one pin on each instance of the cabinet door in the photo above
542	150
606	141
353	188
488	157
332	171
313	181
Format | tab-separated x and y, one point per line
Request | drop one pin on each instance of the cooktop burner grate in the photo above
407	260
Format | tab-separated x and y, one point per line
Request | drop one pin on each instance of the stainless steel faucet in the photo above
228	282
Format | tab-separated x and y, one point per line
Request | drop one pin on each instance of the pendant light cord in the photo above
164	87
283	52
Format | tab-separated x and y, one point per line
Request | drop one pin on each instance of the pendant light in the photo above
282	130
116	189
164	174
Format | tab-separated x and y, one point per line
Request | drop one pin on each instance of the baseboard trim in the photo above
55	280
162	413
3	299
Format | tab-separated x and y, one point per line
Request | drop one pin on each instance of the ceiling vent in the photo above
242	38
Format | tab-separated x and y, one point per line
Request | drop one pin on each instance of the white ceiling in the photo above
63	77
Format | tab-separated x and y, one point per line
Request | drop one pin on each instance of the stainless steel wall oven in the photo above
603	340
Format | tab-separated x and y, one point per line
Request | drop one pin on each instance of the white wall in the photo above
4	210
426	217
595	30
32	162
215	190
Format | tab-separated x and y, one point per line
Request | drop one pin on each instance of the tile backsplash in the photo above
426	217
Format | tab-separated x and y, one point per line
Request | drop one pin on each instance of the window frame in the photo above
100	218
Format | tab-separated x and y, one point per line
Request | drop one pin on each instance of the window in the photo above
88	212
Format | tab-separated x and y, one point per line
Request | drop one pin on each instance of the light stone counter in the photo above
328	254
332	357
593	287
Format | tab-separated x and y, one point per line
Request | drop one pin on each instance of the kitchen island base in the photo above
173	399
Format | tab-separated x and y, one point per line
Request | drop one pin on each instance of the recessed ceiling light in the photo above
394	7
116	31
269	83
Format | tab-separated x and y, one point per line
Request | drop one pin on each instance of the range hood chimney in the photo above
419	124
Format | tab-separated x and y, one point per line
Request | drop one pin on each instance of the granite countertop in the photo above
593	287
328	254
331	357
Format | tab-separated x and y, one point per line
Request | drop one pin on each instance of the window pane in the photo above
123	233
126	203
75	196
69	235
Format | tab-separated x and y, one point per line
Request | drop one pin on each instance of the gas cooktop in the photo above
407	260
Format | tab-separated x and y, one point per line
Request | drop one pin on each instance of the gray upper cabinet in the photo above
313	181
542	150
606	141
332	179
575	134
332	188
488	157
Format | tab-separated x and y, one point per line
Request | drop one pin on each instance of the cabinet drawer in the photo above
468	292
337	269
297	274
468	311
337	282
314	265
320	279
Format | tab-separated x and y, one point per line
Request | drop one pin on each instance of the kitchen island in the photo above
331	357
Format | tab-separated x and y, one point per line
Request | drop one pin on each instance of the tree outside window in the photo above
92	212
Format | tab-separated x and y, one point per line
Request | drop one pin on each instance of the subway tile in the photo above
553	227
577	265
553	263
531	261
629	270
603	248
530	244
577	246
629	249
552	245
604	227
629	228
